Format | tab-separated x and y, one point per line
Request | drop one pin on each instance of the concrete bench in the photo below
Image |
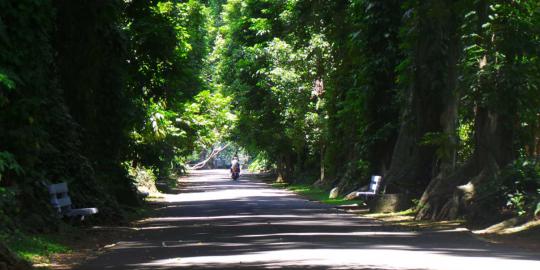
373	189
61	201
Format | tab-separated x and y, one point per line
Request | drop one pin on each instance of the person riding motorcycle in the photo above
235	168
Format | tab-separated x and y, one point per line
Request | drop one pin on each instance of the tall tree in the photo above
428	77
501	69
91	49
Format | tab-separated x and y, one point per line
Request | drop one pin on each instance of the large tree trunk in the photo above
284	169
448	197
431	106
451	196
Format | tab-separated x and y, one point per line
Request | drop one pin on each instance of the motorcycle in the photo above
235	173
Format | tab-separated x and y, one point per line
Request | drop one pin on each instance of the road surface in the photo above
216	223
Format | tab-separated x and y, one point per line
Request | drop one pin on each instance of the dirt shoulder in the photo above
528	238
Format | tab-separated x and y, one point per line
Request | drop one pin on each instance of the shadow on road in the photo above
216	223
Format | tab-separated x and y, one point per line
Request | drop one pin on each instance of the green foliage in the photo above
277	78
144	179
306	87
514	192
168	42
517	202
5	85
446	147
34	248
210	115
466	143
501	63
87	87
260	163
243	71
8	163
502	52
521	186
8	208
6	82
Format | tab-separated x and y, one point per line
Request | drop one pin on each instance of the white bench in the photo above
61	201
372	189
374	186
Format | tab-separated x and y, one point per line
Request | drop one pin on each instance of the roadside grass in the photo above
403	218
40	248
312	193
527	237
35	248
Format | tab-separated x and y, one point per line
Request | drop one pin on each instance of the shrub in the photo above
520	186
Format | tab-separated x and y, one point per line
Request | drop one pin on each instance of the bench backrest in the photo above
375	183
59	197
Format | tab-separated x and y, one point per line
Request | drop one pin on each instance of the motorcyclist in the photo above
235	168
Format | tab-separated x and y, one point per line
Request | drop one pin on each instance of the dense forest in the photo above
94	89
439	97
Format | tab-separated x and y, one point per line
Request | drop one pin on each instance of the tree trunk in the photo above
451	196
322	174
209	159
285	169
430	107
454	195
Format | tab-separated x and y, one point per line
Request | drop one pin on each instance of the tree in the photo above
428	77
501	66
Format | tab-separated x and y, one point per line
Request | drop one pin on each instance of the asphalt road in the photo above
216	223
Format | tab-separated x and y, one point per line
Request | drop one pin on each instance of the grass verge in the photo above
403	218
70	244
35	248
526	236
312	193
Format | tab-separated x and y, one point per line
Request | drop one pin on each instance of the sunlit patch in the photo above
156	228
368	233
230	194
391	257
181	243
135	245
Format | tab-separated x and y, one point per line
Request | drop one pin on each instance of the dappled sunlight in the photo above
333	234
157	227
390	257
135	245
214	185
221	195
251	217
215	223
